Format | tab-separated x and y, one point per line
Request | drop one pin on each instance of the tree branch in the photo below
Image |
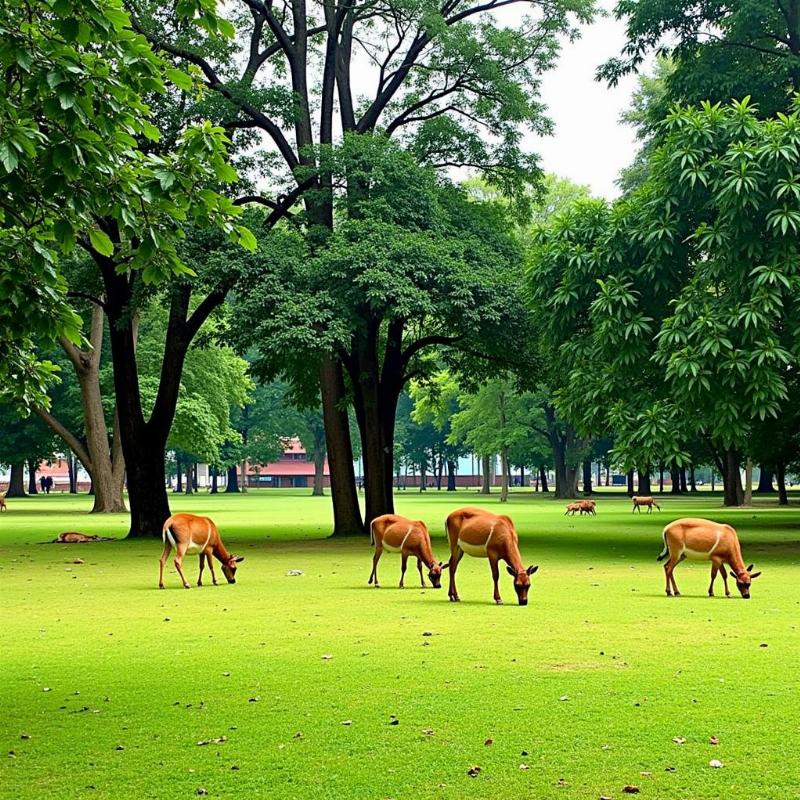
66	435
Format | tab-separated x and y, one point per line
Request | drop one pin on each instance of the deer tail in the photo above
166	533
372	533
665	552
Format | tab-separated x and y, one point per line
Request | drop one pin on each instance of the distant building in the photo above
293	470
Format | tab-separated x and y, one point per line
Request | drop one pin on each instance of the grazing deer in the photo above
3	506
481	534
396	534
588	507
638	502
705	540
572	509
190	532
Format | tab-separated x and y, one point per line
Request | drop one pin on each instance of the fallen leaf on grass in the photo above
201	792
679	740
630	789
715	763
427	633
347	722
473	772
564	698
713	740
427	732
669	769
218	740
119	747
327	657
24	736
524	766
298	735
253	699
294	572
488	743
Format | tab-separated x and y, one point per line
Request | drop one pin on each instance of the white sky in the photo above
590	145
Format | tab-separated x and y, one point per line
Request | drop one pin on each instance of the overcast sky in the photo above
590	145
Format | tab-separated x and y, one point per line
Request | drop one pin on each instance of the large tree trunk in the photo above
692	480
102	458
346	512
644	482
587	477
765	477
682	474
178	474
543	478
731	478
148	500
486	477
73	482
630	478
319	472
780	479
504	474
189	483
16	481
214	479
748	482
675	478
232	480
243	475
32	467
451	476
660	479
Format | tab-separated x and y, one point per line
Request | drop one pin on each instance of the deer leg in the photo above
672	565
455	557
161	562
180	552
403	564
421	576
373	578
210	562
496	579
724	574
202	564
714	570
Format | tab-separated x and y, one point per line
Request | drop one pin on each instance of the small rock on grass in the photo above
488	743
474	771
713	740
630	789
201	792
347	722
327	657
524	766
679	740
715	763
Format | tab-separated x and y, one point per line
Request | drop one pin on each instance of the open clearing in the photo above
318	686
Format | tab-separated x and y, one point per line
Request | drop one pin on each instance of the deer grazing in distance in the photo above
638	502
187	532
708	541
396	534
481	534
582	507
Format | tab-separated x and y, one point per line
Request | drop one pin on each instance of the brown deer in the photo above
396	534
481	534
3	506
638	502
189	532
572	509
588	507
705	540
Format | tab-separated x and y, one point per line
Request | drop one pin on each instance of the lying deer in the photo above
396	534
705	540
190	532
638	502
481	534
73	537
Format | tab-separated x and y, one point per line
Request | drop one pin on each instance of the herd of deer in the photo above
480	534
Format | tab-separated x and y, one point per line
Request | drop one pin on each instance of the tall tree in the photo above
442	75
25	441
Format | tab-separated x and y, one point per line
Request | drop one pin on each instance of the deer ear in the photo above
750	567
754	576
443	565
238	559
512	572
531	570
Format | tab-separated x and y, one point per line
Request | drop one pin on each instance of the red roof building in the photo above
292	470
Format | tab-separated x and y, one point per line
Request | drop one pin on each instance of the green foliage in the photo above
25	438
682	296
72	126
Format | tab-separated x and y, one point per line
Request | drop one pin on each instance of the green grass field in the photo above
318	686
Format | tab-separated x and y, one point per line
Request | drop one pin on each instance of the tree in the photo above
445	74
414	271
720	50
87	433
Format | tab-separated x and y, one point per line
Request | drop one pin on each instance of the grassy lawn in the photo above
109	684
